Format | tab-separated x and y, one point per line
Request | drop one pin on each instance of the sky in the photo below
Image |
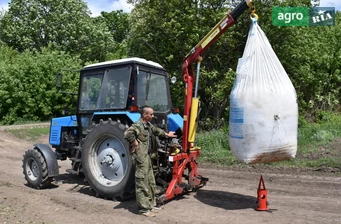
97	6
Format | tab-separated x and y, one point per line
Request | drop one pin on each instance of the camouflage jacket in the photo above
139	131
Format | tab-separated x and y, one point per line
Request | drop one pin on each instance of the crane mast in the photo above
188	74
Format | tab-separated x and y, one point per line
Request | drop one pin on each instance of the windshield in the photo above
105	90
152	91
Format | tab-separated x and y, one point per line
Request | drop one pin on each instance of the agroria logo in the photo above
322	16
290	16
303	16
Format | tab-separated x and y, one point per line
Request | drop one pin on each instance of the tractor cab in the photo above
119	88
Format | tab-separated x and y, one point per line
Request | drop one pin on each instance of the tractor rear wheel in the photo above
106	162
35	169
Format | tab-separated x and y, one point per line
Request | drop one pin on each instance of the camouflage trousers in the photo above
144	185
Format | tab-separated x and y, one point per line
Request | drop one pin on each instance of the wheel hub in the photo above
109	161
32	169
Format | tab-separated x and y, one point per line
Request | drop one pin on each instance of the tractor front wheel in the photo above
35	169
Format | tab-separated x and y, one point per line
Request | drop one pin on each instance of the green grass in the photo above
30	134
215	148
21	121
317	146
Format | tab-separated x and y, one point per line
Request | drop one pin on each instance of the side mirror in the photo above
59	79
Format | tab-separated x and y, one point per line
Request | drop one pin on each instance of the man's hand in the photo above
133	146
170	134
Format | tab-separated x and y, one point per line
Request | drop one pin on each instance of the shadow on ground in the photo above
131	205
226	200
80	185
128	204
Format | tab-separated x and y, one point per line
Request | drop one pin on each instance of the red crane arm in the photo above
195	55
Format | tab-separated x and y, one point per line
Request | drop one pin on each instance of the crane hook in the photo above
253	14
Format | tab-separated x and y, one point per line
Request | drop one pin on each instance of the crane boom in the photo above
195	56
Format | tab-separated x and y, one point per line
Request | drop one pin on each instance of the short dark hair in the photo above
144	109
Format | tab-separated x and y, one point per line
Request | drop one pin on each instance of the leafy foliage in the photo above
314	65
64	25
40	37
117	23
27	84
310	55
166	31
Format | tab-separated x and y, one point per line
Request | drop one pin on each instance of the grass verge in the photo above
319	145
30	134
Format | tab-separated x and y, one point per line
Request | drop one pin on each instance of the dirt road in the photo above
229	197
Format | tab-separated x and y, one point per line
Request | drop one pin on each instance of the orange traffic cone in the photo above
262	196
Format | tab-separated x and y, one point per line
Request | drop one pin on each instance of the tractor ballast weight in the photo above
110	95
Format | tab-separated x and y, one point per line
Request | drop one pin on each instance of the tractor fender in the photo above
50	159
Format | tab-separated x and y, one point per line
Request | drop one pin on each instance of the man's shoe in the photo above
148	214
156	209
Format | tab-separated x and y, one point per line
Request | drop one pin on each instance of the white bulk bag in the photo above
263	105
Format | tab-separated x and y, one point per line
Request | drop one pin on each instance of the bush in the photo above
27	84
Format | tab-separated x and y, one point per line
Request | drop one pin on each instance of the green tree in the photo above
65	25
313	62
165	31
118	25
28	84
1	15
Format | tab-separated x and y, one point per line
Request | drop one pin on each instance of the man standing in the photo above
140	136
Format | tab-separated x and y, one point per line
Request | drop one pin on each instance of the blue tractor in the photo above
109	97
